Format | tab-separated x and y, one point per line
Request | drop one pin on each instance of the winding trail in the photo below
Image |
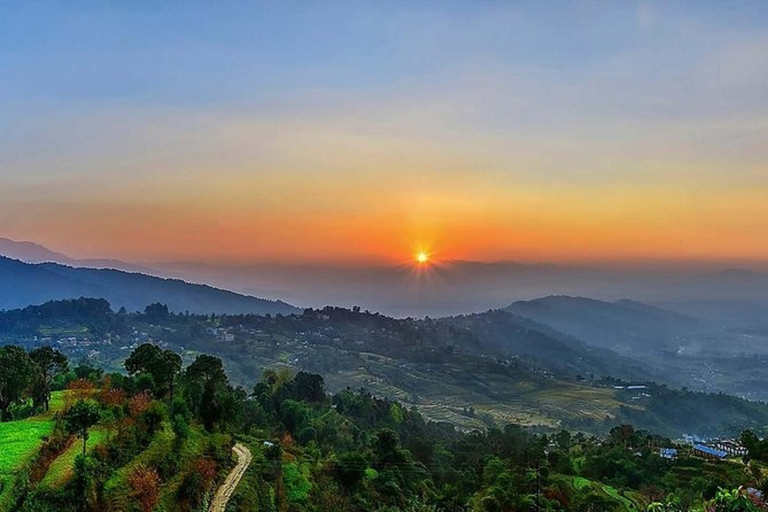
244	457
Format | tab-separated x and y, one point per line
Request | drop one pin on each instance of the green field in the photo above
582	484
20	441
61	469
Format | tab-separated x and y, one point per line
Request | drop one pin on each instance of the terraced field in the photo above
445	393
581	484
60	469
20	441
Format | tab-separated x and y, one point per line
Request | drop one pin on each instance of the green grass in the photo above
60	469
193	447
580	483
20	441
613	493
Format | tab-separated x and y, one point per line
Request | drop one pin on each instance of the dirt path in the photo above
244	457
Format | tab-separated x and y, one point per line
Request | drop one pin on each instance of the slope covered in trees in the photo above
474	371
22	284
145	450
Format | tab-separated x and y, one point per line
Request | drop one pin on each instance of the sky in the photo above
354	132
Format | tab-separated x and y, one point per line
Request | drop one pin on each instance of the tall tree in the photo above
163	365
17	372
50	363
206	382
81	417
206	369
156	312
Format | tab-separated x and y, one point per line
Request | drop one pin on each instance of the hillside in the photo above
449	369
475	371
510	335
30	252
163	439
624	326
22	284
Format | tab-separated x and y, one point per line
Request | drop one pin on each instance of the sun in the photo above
422	258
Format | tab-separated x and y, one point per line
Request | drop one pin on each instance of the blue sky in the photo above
197	53
440	116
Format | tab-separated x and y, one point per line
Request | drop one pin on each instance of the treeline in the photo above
28	375
169	430
95	314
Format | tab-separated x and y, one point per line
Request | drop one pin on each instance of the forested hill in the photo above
22	284
624	325
159	435
475	371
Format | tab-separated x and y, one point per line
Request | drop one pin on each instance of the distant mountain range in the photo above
711	292
624	326
22	284
31	252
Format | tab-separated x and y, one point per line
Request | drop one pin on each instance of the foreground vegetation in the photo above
159	437
21	441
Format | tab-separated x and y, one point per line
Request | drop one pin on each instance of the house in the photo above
707	452
668	453
731	447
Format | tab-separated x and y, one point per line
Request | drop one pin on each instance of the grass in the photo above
20	441
613	493
193	447
582	484
116	489
60	469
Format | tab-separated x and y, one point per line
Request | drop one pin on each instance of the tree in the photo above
294	415
82	484
80	417
386	447
163	365
145	484
736	500
88	372
205	369
206	383
350	468
309	387
156	311
50	363
17	372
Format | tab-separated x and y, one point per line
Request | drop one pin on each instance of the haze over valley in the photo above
705	329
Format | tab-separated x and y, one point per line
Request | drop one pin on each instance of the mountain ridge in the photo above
624	325
32	252
22	284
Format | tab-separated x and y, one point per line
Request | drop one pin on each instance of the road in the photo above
244	457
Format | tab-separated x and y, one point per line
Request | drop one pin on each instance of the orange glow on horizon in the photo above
527	225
